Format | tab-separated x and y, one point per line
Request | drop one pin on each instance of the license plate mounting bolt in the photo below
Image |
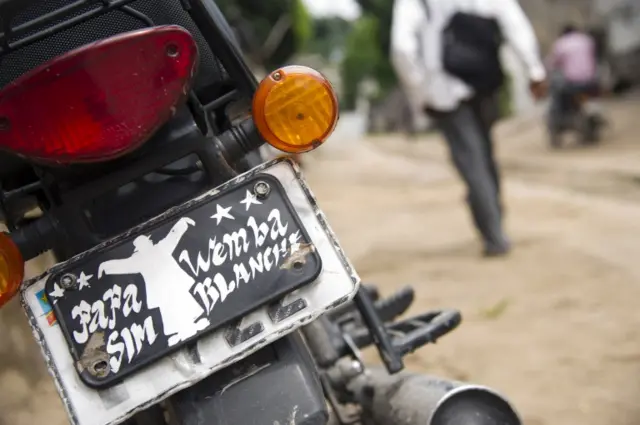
68	281
261	189
100	368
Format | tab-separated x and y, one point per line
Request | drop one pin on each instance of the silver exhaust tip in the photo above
414	399
474	405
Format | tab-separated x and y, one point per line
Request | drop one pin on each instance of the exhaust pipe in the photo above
412	399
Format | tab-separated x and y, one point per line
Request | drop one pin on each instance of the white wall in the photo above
624	32
623	19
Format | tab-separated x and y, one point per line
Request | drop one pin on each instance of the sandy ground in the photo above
554	325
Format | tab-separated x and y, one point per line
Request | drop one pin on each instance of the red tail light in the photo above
99	101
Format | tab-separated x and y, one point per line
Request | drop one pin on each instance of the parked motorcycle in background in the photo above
194	284
574	109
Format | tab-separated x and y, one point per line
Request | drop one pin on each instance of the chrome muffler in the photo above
413	399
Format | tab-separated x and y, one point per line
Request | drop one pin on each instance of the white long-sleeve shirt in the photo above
416	51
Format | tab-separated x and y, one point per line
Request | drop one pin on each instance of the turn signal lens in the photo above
11	269
295	109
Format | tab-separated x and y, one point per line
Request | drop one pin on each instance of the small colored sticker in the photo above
46	308
51	318
44	303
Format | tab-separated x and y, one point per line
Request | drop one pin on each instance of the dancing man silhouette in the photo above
182	316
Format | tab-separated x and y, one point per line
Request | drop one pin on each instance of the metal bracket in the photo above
344	415
373	323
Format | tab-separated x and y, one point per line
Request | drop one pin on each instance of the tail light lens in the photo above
100	101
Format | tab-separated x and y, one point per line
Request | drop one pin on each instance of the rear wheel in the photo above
554	124
591	130
555	139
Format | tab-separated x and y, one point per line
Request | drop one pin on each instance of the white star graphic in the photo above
250	199
221	213
57	292
83	280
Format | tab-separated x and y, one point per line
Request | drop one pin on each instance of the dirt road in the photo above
555	325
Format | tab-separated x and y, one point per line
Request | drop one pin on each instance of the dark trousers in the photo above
467	131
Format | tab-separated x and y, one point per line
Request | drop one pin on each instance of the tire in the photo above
590	130
554	125
555	139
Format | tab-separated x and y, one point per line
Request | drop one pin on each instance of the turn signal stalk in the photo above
11	269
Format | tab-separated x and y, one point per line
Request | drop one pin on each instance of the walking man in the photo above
446	55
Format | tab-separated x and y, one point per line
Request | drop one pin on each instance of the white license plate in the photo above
336	284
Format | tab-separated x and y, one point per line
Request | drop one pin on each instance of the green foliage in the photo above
286	24
383	11
368	49
330	36
302	25
362	58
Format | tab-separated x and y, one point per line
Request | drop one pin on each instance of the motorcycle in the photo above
195	284
574	109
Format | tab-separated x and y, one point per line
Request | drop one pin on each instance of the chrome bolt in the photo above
261	189
68	281
277	76
172	50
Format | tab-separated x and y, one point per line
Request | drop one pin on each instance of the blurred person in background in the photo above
446	55
573	63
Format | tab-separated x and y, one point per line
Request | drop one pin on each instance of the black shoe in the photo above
496	249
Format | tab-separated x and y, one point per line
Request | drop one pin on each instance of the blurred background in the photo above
555	325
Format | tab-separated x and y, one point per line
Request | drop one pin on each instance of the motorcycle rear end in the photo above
576	112
111	163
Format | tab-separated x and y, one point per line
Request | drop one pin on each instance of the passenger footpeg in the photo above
372	323
338	338
410	334
388	308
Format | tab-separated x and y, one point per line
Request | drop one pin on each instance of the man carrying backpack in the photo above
446	55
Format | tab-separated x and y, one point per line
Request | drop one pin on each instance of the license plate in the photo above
205	285
151	293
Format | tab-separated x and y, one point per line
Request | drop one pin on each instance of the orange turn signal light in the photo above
295	109
11	269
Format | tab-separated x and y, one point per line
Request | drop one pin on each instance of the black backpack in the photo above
471	51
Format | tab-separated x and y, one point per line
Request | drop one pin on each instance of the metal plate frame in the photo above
168	236
336	284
